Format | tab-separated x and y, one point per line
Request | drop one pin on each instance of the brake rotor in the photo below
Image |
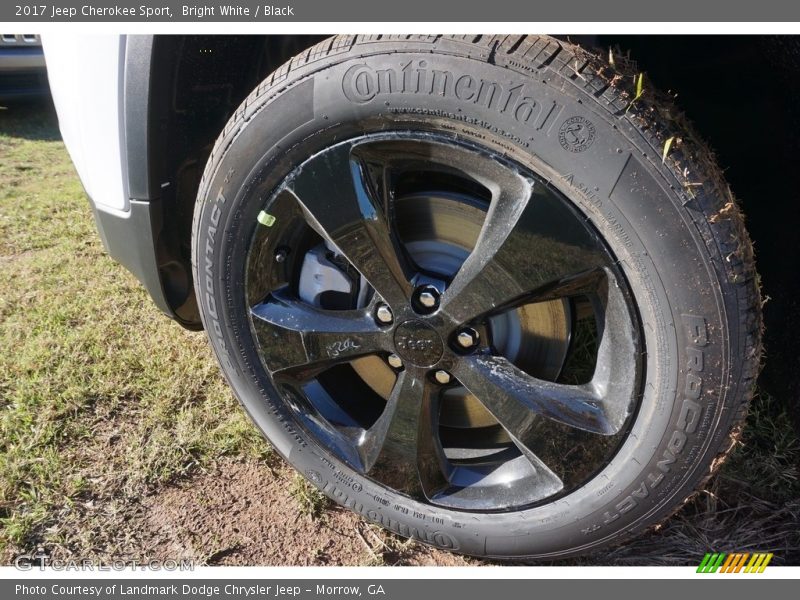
439	230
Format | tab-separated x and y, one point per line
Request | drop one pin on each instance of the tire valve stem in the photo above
266	219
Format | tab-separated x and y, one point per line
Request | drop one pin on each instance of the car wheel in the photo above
486	292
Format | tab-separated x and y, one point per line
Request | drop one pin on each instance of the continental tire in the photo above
484	291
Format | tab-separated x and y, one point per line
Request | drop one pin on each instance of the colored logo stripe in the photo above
732	558
733	563
711	562
758	563
741	562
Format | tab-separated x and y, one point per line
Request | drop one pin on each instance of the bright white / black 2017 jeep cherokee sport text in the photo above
489	292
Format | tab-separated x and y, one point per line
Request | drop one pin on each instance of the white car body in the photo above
87	82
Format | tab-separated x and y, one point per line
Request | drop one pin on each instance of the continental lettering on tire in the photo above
687	422
362	84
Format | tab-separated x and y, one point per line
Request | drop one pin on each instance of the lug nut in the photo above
467	338
442	377
428	297
395	361
384	314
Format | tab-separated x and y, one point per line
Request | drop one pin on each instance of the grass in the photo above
101	398
311	502
103	401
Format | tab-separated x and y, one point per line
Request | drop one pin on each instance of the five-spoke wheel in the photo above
367	280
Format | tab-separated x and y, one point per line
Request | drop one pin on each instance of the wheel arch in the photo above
179	92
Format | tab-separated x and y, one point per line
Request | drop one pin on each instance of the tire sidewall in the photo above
661	250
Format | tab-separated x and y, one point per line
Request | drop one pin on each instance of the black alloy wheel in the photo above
478	291
445	323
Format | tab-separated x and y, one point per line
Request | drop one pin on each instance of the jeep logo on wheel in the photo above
418	343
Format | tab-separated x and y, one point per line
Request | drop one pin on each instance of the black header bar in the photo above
436	11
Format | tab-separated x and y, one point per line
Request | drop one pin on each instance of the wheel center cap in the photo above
418	343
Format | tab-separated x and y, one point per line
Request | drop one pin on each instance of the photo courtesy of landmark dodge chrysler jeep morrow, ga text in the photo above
489	292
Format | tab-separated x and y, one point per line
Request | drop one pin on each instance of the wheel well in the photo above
197	82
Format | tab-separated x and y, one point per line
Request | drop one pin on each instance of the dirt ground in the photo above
249	511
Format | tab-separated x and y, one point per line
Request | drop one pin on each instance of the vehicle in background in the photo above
23	74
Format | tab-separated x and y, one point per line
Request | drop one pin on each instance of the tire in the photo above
654	220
